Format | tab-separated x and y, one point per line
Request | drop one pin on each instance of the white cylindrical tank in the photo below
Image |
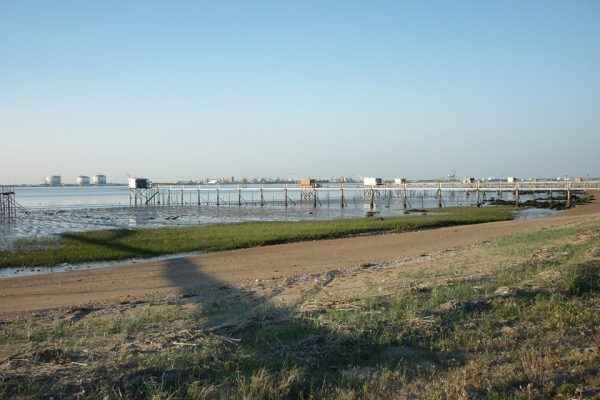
83	180
99	179
53	180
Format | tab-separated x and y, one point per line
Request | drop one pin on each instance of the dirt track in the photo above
160	279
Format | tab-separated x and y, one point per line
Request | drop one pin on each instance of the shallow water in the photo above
532	213
65	267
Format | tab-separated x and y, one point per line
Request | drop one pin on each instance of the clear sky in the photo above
173	90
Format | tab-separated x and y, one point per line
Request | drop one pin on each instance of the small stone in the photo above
507	330
368	373
502	291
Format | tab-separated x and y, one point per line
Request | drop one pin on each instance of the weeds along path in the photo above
153	280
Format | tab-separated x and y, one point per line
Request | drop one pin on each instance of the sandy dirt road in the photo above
160	279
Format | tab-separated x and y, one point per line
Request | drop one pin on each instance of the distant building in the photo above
399	181
53	180
372	181
99	180
83	180
511	179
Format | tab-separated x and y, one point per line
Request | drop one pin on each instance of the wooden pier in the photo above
405	195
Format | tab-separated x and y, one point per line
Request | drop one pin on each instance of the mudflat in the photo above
145	280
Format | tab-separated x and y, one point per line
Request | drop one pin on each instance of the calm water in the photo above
55	210
72	196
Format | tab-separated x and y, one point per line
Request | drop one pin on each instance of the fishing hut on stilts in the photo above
8	205
141	192
308	189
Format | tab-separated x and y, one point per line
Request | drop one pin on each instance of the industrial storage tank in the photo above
53	180
83	180
99	179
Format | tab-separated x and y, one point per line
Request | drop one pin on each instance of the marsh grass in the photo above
143	243
459	339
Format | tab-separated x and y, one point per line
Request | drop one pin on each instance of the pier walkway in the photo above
444	192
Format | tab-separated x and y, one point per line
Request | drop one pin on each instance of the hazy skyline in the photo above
193	89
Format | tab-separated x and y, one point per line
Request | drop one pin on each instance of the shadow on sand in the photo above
237	343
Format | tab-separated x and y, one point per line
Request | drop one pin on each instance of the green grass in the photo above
142	243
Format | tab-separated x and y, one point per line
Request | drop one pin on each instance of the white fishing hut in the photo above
139	183
372	181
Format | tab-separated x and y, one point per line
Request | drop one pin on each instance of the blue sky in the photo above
175	90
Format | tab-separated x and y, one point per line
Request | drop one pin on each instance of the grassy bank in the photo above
520	322
141	243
